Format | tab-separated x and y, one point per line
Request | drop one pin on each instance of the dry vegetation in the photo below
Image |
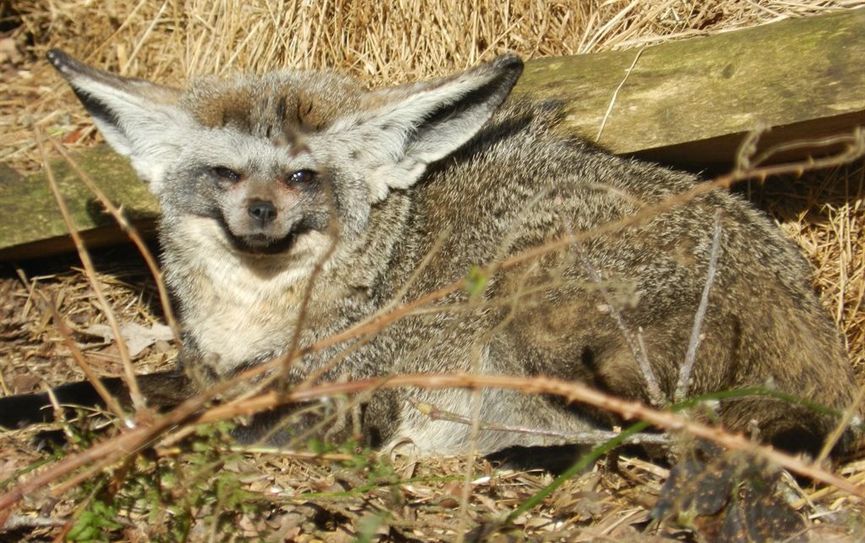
349	493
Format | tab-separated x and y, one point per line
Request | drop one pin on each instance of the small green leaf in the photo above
476	281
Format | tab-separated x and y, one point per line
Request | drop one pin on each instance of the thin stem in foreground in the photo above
684	381
138	401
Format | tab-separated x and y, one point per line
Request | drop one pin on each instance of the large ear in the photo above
403	129
139	119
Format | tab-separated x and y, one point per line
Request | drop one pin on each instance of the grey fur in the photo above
396	169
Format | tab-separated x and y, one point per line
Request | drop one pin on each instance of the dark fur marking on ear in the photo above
475	98
98	109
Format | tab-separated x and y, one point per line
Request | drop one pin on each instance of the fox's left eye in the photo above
226	173
300	177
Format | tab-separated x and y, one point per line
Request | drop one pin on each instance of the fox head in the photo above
264	162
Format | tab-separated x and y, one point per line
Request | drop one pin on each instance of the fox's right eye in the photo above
226	173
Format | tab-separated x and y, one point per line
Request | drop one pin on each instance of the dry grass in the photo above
31	350
825	213
380	43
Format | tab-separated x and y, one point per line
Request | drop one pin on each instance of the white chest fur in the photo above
239	307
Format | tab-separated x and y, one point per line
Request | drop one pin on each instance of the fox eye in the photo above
300	177
226	173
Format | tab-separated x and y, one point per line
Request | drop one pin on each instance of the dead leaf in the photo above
136	336
23	383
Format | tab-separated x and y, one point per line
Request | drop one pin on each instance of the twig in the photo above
572	391
476	404
684	381
783	147
394	302
656	397
290	453
16	522
616	94
416	273
90	272
747	149
637	347
109	451
131	232
589	437
110	401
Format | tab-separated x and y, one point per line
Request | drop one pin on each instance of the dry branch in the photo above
131	232
109	451
333	237
90	271
589	437
573	392
110	401
115	449
853	148
634	341
684	381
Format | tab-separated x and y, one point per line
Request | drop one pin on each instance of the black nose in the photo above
262	211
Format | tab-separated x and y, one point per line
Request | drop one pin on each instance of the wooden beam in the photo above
690	103
31	225
687	103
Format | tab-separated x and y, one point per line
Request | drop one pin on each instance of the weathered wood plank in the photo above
31	225
686	103
691	102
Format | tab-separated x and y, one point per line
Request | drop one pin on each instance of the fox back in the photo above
301	203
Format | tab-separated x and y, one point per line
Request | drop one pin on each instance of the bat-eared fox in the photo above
297	204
